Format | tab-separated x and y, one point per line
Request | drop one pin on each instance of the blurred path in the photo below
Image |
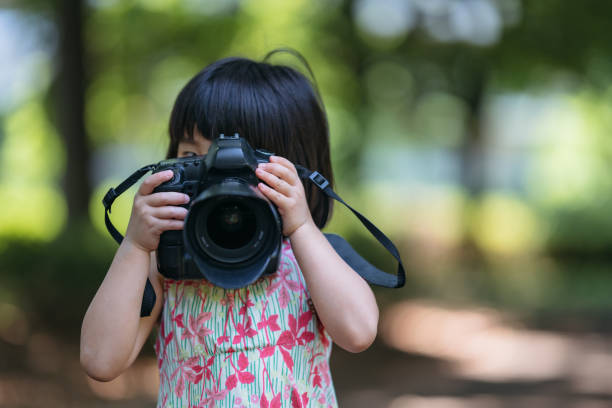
426	357
459	358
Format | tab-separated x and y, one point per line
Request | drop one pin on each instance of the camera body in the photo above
232	233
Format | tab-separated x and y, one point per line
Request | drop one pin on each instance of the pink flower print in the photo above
254	399
323	369
299	325
194	372
316	381
231	382
241	374
275	403
211	396
180	387
246	304
161	344
296	400
244	331
286	341
191	371
266	351
168	339
269	322
283	297
289	338
228	299
196	328
193	377
283	284
222	339
305	399
244	376
263	401
178	320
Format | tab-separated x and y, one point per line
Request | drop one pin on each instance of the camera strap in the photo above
149	297
113	193
366	270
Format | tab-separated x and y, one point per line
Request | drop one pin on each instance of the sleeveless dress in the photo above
259	346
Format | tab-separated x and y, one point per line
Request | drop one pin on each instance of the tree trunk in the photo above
472	166
70	107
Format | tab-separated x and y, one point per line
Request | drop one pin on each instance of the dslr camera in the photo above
232	233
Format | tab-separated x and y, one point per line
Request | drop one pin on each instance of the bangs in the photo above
231	96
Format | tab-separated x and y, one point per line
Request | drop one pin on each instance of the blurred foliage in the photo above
475	133
54	282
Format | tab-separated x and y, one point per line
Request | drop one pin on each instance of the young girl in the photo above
265	345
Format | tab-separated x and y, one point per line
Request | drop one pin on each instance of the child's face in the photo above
196	147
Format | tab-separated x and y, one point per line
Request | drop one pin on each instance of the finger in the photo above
273	181
154	180
281	171
170	224
284	162
277	198
170	212
167	198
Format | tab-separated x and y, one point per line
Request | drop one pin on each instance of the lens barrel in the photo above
233	234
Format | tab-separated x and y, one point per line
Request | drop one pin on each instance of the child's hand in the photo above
284	188
155	213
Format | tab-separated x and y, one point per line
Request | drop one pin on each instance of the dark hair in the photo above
274	107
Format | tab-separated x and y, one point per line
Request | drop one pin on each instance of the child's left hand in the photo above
284	188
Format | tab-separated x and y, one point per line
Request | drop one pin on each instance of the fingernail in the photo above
186	198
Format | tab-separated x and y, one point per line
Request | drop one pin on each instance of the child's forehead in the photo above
186	139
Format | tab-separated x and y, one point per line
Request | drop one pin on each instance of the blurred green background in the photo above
476	133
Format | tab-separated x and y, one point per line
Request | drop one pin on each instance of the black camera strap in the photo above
366	270
149	297
113	193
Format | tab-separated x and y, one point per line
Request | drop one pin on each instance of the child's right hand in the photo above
154	213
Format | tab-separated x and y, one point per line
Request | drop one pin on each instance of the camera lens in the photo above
231	225
229	229
232	233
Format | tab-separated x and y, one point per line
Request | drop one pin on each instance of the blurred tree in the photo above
474	49
65	98
113	57
465	48
69	104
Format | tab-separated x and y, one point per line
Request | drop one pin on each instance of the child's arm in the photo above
113	332
343	300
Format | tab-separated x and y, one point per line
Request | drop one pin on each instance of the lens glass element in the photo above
231	224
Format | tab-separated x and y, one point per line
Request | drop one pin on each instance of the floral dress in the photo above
259	346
